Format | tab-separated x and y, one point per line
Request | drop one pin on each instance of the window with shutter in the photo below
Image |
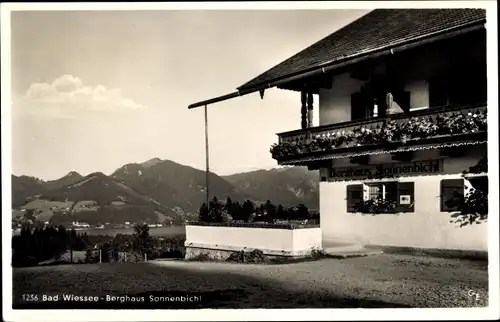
354	197
405	201
452	192
380	194
401	194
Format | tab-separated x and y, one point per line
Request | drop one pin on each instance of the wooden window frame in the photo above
444	197
364	189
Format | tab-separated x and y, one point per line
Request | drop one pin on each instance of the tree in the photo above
290	213
270	212
262	209
280	212
61	241
142	238
247	210
39	244
216	210
85	240
236	211
105	250
229	204
229	207
203	213
302	212
72	242
244	214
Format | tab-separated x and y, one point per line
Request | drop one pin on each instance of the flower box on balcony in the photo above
398	132
218	241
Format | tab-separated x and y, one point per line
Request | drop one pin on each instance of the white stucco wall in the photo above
335	103
426	227
269	240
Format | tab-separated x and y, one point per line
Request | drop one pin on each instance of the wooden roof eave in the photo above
289	81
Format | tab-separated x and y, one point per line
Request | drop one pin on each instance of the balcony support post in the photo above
304	109
310	106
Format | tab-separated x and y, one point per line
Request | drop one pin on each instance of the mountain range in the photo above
155	191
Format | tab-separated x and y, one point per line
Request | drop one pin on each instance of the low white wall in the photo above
270	240
306	238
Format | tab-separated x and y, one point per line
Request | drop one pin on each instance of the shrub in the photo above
255	256
472	208
91	256
202	257
170	247
376	206
317	253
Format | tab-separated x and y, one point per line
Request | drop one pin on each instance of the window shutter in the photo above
358	107
354	196
405	201
448	188
391	191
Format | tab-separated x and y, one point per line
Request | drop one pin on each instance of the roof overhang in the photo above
328	67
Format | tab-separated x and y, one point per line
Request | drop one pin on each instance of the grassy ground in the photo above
376	281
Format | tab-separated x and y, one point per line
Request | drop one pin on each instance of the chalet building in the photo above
402	125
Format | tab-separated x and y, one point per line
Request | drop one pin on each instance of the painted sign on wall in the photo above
387	170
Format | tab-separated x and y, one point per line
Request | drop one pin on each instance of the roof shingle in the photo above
376	30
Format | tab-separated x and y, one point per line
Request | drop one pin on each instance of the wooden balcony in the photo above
440	127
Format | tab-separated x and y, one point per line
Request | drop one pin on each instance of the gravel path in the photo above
386	280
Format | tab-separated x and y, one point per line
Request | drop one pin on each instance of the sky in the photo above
95	90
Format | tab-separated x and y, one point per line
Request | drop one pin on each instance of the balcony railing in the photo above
434	125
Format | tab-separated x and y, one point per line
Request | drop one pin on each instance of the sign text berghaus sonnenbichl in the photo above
388	170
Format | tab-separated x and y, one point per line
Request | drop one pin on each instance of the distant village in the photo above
78	225
29	218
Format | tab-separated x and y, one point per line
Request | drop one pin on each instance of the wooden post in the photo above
304	109
207	170
100	256
310	102
145	257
